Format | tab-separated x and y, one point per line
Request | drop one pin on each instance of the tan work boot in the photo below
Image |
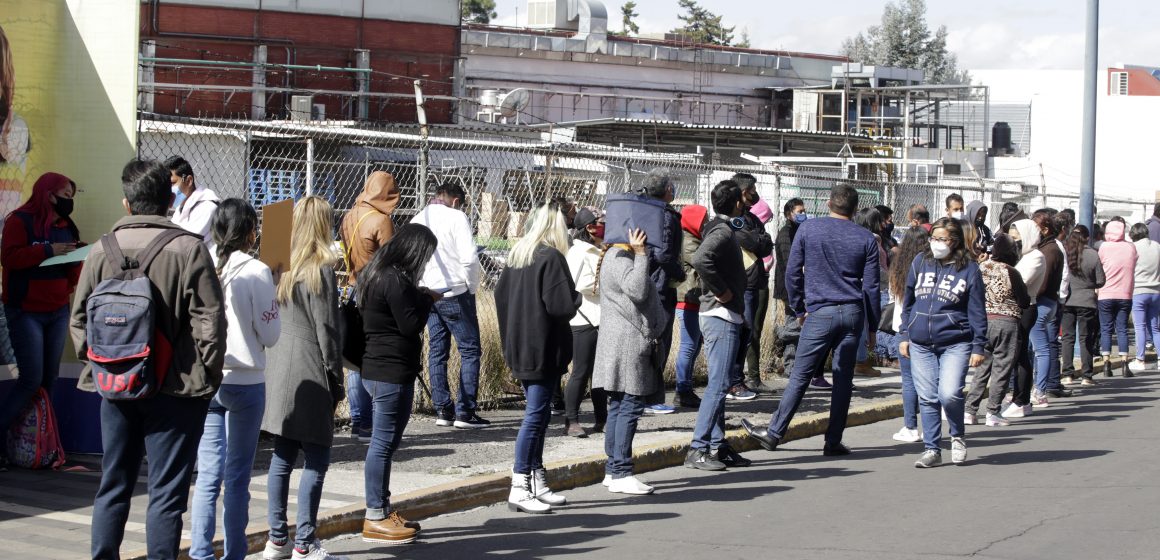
390	531
864	369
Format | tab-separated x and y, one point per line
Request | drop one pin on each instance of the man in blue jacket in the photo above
833	298
666	270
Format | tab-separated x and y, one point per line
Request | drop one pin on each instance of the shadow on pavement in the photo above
521	536
1026	457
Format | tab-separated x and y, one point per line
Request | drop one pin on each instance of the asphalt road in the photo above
1076	480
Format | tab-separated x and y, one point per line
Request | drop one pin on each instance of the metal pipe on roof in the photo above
215	87
248	64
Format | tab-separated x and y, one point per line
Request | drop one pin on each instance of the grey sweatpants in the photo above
998	367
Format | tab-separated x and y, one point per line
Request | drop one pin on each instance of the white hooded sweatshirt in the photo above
252	322
1032	266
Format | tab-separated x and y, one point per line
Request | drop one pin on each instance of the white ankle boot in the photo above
541	491
521	497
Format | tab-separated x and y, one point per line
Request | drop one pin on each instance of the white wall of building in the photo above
1125	141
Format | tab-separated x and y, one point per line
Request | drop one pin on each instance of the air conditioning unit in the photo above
301	107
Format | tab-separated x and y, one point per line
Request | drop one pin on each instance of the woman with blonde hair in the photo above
534	300
305	379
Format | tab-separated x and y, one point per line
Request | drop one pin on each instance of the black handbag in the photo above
354	344
886	321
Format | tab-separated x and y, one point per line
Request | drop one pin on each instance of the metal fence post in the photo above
424	143
309	166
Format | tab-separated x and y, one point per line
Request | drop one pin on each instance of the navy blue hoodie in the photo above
944	306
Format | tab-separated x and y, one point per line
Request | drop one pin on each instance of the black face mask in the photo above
888	229
63	207
1019	248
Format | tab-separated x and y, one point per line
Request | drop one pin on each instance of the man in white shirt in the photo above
196	210
454	272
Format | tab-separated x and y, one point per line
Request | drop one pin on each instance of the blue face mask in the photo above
799	218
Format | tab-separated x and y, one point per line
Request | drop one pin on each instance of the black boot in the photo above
1107	366
1125	370
757	386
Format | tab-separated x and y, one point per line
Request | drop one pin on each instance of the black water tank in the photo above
1001	138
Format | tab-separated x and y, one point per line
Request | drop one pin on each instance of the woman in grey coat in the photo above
304	380
631	323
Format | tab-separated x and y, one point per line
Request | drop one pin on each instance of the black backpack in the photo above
129	355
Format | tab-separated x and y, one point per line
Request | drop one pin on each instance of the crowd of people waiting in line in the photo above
249	350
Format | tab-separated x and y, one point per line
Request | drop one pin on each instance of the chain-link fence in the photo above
505	171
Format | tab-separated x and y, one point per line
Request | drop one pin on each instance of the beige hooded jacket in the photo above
368	225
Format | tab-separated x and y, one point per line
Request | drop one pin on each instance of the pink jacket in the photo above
1118	258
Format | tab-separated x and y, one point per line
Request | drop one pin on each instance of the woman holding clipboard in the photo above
36	298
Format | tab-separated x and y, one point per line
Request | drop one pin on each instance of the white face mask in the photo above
939	249
957	215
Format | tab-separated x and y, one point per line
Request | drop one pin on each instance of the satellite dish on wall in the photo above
514	102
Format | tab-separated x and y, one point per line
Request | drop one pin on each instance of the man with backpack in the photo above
148	321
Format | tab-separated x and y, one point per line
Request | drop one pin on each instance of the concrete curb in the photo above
487	489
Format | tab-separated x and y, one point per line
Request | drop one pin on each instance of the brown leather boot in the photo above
864	369
391	531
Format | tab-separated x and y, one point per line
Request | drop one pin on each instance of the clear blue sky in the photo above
986	34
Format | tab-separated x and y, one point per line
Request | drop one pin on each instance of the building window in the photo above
541	14
1119	85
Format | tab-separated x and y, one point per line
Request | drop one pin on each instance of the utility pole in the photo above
1087	185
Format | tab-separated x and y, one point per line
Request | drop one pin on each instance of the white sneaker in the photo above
958	450
278	552
1027	409
1137	366
907	435
970	419
997	420
315	552
1014	411
630	485
521	498
607	481
929	458
542	492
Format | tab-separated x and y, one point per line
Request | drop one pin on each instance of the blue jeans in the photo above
1045	342
392	411
361	415
1114	318
168	430
909	394
537	415
454	317
832	328
624	411
309	488
940	372
689	347
1145	311
722	346
752	306
225	460
38	342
